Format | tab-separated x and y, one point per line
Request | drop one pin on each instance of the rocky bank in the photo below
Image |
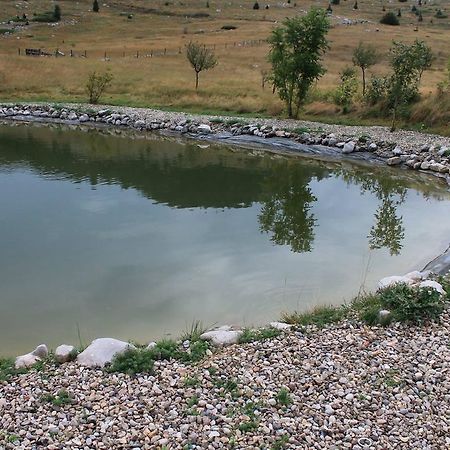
408	149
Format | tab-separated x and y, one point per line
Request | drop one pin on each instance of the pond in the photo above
136	238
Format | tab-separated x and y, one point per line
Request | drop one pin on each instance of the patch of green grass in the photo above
194	332
133	361
281	442
193	401
300	130
191	382
284	397
261	334
251	425
445	282
227	385
61	398
319	316
7	369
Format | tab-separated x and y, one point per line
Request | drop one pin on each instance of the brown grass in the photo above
167	81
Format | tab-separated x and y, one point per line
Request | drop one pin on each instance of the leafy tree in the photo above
57	13
97	84
256	5
200	59
347	89
295	55
95	6
408	63
365	56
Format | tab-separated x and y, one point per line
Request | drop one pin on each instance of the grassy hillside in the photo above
125	29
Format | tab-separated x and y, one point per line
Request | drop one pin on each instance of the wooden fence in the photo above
151	53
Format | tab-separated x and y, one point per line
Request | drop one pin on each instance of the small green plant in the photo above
346	90
133	361
246	427
97	84
192	401
281	442
191	382
261	334
284	397
7	369
196	328
61	398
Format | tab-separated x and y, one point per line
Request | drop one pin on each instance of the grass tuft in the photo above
261	334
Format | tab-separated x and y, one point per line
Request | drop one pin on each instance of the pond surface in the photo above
137	238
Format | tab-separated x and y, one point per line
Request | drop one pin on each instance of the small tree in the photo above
95	6
408	62
296	50
355	6
200	59
389	19
365	56
347	89
97	84
256	5
57	13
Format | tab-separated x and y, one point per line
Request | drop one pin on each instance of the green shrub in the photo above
7	369
440	14
377	90
133	361
346	91
61	398
97	84
389	19
283	397
410	304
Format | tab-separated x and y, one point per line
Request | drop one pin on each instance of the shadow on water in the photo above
185	175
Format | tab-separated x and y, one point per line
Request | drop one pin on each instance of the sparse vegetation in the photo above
259	334
390	19
97	84
284	397
61	398
133	361
365	56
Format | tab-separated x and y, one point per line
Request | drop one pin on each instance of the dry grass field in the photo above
125	29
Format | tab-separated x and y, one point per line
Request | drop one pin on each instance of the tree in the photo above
364	56
347	89
97	84
408	63
200	59
256	5
389	19
295	55
95	6
57	13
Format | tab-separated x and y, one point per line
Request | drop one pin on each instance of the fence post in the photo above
105	55
137	54
85	54
151	53
19	51
165	51
56	53
71	53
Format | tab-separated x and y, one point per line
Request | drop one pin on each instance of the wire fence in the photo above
150	53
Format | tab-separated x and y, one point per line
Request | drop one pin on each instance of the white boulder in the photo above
433	285
30	359
204	128
349	147
222	336
102	351
65	353
392	281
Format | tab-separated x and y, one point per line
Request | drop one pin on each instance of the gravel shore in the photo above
345	386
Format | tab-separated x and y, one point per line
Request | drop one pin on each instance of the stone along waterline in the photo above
137	238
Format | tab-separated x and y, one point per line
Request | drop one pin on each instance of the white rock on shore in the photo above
30	359
224	335
102	351
65	353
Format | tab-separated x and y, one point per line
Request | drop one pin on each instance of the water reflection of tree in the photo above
286	209
388	230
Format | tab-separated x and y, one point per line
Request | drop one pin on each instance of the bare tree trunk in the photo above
196	81
364	81
394	116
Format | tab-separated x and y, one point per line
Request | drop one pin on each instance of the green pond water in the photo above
136	238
